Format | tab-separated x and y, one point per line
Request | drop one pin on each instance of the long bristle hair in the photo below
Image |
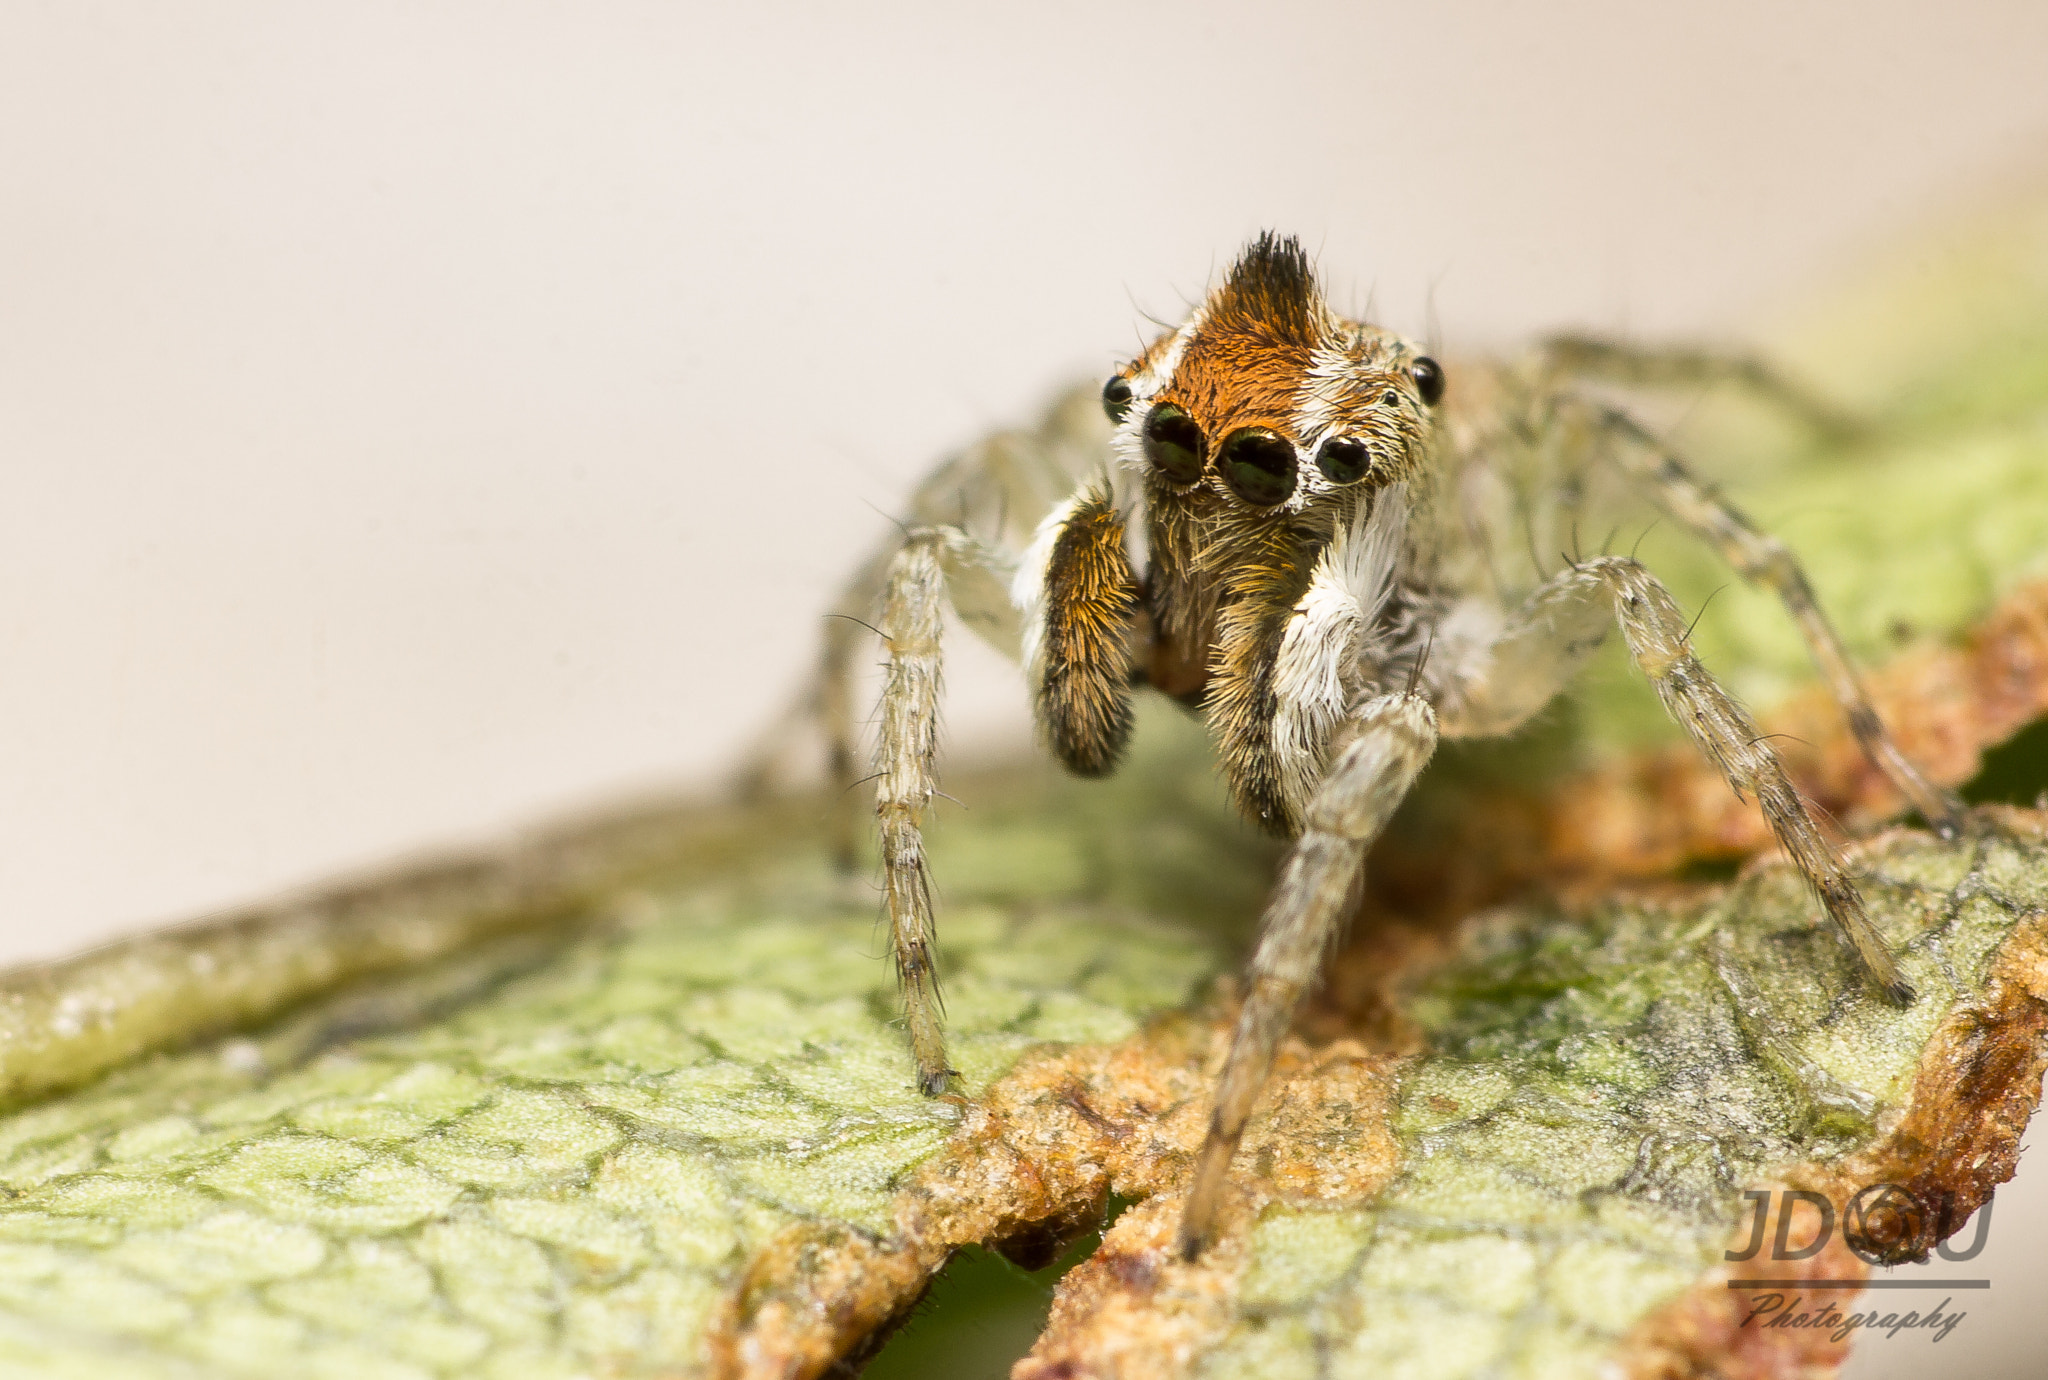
1274	283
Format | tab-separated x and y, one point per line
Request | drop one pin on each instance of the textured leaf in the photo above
588	1148
1572	1150
682	1135
630	1100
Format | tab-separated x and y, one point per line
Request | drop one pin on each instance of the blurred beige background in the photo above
418	420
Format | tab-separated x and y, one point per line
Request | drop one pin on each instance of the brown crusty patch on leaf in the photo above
1132	1312
1039	1155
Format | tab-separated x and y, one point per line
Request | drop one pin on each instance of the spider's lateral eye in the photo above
1258	465
1429	379
1173	443
1343	459
1116	397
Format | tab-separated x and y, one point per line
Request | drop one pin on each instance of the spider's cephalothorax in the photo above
1264	432
1279	529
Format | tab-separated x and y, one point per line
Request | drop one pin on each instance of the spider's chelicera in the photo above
1289	535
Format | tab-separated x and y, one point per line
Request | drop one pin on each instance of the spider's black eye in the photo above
1258	465
1173	443
1429	379
1343	459
1116	397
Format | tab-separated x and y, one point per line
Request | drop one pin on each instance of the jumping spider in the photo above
1295	538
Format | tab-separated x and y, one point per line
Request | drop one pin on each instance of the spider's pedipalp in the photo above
1332	635
1081	607
1386	744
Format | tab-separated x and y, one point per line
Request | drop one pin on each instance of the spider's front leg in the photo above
906	780
1390	740
1499	686
931	561
1079	598
1764	560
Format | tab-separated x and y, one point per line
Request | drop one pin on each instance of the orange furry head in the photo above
1269	401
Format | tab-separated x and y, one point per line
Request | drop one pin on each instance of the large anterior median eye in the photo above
1343	459
1173	443
1116	397
1258	465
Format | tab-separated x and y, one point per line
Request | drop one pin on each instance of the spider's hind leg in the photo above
780	756
1643	366
831	701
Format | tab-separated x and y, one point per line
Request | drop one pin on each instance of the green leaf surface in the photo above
556	1154
1596	1099
632	1099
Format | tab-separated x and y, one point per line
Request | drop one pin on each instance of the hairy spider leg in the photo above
1764	560
1550	637
1542	647
934	566
1391	738
969	521
1756	556
906	776
1079	576
1655	630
